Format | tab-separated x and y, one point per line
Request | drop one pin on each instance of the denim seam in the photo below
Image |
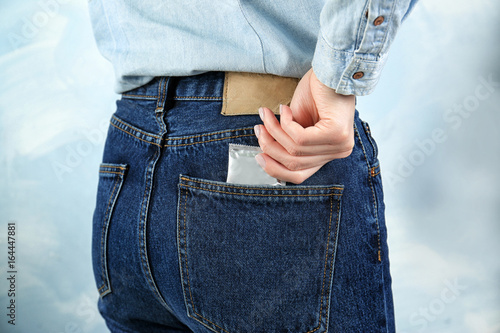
160	104
262	188
135	136
106	286
325	268
187	273
142	232
187	270
103	245
332	257
113	172
368	132
155	97
184	144
226	88
375	171
213	140
143	218
128	126
176	139
135	128
210	134
373	194
263	195
210	98
111	166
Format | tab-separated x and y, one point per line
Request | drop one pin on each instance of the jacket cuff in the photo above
349	73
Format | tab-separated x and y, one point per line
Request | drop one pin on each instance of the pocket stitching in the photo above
106	285
282	188
262	195
103	236
331	258
187	269
370	181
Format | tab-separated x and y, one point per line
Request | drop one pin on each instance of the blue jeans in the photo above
177	249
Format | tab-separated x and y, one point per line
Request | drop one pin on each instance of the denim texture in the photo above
177	249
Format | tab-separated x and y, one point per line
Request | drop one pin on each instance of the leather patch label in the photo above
245	93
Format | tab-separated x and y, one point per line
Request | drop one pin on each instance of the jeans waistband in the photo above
241	93
208	85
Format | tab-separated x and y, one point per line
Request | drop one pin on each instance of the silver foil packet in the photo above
244	169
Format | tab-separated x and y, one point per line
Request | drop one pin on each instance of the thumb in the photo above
302	104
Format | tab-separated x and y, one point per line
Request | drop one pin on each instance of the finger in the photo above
324	132
326	135
278	171
277	152
274	128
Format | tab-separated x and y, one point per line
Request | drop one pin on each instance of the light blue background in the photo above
442	190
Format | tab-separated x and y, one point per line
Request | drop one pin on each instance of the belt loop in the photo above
162	93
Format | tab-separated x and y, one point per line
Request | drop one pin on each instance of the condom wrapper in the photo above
244	169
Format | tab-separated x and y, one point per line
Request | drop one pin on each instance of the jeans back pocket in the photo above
257	258
111	178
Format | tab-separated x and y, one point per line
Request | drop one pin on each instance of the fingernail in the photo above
261	114
281	105
261	161
256	129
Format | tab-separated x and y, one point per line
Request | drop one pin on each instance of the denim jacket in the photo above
345	41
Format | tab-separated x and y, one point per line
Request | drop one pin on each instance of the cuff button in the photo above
378	21
358	75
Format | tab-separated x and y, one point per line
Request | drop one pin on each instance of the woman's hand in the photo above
315	129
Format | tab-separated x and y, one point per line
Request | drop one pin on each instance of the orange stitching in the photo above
136	129
371	186
187	268
210	322
213	140
185	144
132	95
106	223
121	129
324	272
335	237
162	96
325	267
199	97
159	94
183	138
104	165
226	88
186	256
262	188
142	231
374	169
176	97
185	245
264	195
210	134
116	173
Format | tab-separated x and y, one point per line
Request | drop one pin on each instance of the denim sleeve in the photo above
354	40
